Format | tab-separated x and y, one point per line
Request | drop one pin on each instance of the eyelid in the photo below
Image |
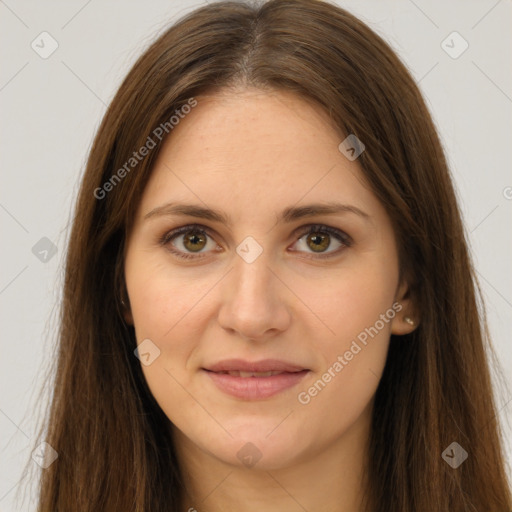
307	228
340	235
169	235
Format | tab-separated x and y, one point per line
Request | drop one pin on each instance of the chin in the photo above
253	448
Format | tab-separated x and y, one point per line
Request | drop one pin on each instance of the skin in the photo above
251	153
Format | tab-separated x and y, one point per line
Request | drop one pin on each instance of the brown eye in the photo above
185	241
194	242
318	238
317	242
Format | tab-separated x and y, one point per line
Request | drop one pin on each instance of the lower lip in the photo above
255	388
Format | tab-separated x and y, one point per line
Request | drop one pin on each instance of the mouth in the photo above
239	373
263	366
248	384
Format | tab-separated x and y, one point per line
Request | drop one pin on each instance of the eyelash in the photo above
342	237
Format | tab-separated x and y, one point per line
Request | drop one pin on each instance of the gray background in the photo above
50	109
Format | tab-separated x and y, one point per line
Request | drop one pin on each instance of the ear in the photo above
407	318
125	305
127	315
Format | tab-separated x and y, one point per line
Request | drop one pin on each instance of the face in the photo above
268	277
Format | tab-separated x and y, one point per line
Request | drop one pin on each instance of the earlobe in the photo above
408	320
127	313
403	324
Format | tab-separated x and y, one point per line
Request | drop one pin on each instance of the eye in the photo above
190	242
318	238
190	238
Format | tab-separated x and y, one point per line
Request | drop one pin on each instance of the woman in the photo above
269	302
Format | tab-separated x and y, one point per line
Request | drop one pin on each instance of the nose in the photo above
254	301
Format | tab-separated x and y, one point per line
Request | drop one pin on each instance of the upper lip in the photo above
265	365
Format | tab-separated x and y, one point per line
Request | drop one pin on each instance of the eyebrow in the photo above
289	214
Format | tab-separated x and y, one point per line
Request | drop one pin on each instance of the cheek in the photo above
358	310
350	300
166	309
162	307
160	299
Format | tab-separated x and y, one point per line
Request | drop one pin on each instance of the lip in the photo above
255	388
265	365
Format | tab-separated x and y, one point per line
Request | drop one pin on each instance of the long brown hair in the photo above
113	441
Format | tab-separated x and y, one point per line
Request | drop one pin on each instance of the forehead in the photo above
250	150
245	122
